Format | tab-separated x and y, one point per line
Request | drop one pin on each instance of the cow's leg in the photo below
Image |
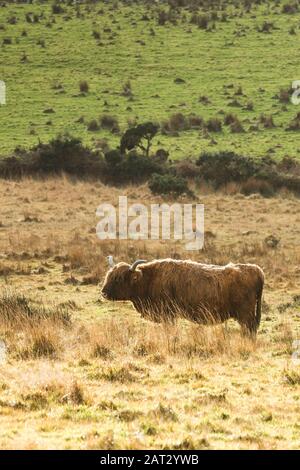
247	320
249	329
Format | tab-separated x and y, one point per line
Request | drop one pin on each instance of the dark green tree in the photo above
140	136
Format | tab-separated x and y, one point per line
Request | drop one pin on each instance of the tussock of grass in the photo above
292	377
30	329
16	309
164	412
118	374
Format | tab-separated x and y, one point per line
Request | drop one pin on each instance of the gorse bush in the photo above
254	185
187	169
169	185
222	167
65	153
264	175
62	154
113	158
131	167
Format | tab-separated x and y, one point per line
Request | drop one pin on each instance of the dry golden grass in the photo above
83	373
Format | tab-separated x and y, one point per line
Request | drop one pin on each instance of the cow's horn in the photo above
136	263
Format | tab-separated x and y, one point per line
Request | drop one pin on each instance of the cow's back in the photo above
191	283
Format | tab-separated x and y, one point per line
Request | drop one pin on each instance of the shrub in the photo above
222	167
161	155
42	43
289	182
113	157
57	9
236	127
131	166
127	90
62	154
203	21
239	91
12	20
110	123
249	106
263	175
102	144
66	153
187	169
289	165
284	95
254	185
169	184
7	41
214	125
292	30
162	18
96	34
267	121
290	8
233	121
194	18
266	27
295	123
177	122
83	86
229	119
195	122
93	126
135	168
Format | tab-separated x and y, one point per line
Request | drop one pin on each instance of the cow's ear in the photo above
136	276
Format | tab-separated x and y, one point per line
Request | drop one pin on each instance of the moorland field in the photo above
81	372
77	371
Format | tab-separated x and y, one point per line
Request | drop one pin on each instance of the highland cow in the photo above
166	289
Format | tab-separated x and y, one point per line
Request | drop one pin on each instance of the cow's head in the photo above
121	281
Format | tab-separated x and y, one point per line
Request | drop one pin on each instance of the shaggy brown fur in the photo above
162	290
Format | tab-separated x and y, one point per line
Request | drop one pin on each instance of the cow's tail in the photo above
259	291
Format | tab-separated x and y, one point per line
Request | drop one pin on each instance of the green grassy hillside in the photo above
239	60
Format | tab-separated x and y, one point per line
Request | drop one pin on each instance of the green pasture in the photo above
46	60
